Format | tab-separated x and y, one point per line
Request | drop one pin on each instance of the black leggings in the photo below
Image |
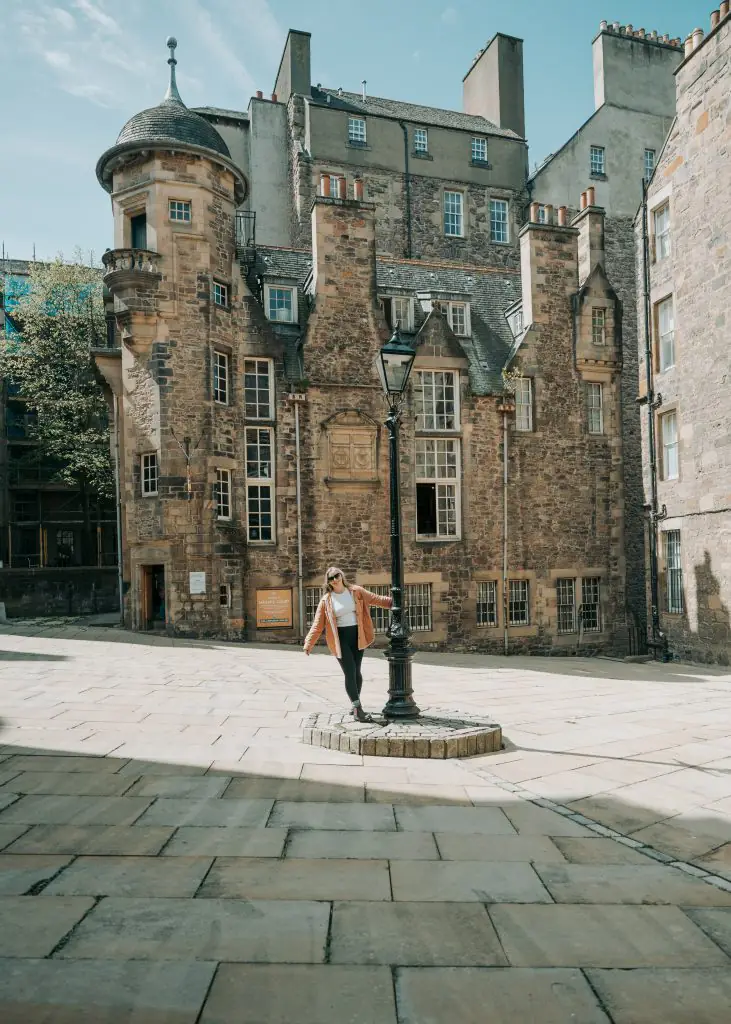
350	661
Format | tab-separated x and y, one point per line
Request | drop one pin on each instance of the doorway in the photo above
153	615
138	231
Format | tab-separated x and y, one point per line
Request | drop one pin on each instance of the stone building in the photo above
684	385
247	407
612	152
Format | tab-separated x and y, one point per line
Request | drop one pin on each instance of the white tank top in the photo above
344	608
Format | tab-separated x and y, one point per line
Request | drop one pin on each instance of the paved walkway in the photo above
170	853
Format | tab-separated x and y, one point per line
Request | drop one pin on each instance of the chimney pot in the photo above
590	196
582	202
358	189
715	18
325	185
688	46
642	33
342	188
562	216
602	26
622	30
653	34
723	10
697	37
666	38
534	212
549	213
259	94
615	26
274	97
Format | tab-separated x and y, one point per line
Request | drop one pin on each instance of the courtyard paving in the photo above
171	853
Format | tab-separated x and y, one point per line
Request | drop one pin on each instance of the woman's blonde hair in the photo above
331	572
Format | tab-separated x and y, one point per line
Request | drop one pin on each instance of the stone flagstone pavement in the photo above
172	853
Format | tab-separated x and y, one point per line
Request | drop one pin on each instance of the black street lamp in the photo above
394	363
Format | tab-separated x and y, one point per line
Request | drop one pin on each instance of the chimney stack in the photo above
590	222
493	86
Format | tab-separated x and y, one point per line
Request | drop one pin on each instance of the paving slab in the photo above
18	872
643	996
297	879
195	787
715	923
137	768
226	841
131	876
62	763
202	812
497	848
466	881
256	931
459	820
425	934
718	861
362	845
681	843
602	936
339	817
70	784
32	926
497	995
616	814
628	883
598	851
75	810
538	821
415	794
294	789
102	992
114	840
307	994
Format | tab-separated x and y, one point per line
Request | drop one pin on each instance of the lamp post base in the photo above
401	704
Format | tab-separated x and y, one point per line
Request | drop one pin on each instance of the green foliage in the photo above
60	319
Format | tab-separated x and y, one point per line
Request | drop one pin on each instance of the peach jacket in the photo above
325	620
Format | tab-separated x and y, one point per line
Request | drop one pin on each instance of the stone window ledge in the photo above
357	145
481	163
598	177
340	484
422	156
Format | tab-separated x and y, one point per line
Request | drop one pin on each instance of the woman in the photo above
343	615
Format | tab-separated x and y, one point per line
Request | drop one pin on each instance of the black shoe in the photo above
359	714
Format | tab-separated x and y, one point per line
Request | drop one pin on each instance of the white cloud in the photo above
96	15
64	18
449	15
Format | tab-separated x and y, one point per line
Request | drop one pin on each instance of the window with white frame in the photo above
357	131
398	309
649	163
596	160
487	603
436	400
542	214
421	140
674	572
458	316
312	599
566	605
220	378
179	210
590	617
594	407
281	304
380	616
599	325
516	323
418	607
669	439
666	333
260	483
524	404
479	150
334	184
453	215
661	218
149	473
220	294
437	487
499	227
258	389
518	606
222	493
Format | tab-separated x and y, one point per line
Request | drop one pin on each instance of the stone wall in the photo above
31	593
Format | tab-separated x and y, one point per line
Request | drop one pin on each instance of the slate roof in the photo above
354	102
490	294
170	122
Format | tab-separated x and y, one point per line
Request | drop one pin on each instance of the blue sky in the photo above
77	69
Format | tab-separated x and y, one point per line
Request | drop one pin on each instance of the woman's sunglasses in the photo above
337	576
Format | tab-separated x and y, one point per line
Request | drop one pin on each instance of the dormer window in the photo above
458	316
281	303
398	309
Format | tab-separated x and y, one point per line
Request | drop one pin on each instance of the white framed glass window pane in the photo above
220	294
380	616
436	400
674	569
594	400
590	619
479	150
649	163
499	220
259	453
421	140
487	603
259	512
402	311
418	607
669	432
598	326
220	378
179	210
523	404
662	232
281	304
566	605
356	129
596	160
666	330
457	317
518	607
222	493
437	460
258	388
453	220
149	473
312	599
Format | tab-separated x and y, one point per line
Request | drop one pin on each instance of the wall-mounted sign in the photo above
197	583
274	609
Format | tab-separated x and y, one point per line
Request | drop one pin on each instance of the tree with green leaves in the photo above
47	354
